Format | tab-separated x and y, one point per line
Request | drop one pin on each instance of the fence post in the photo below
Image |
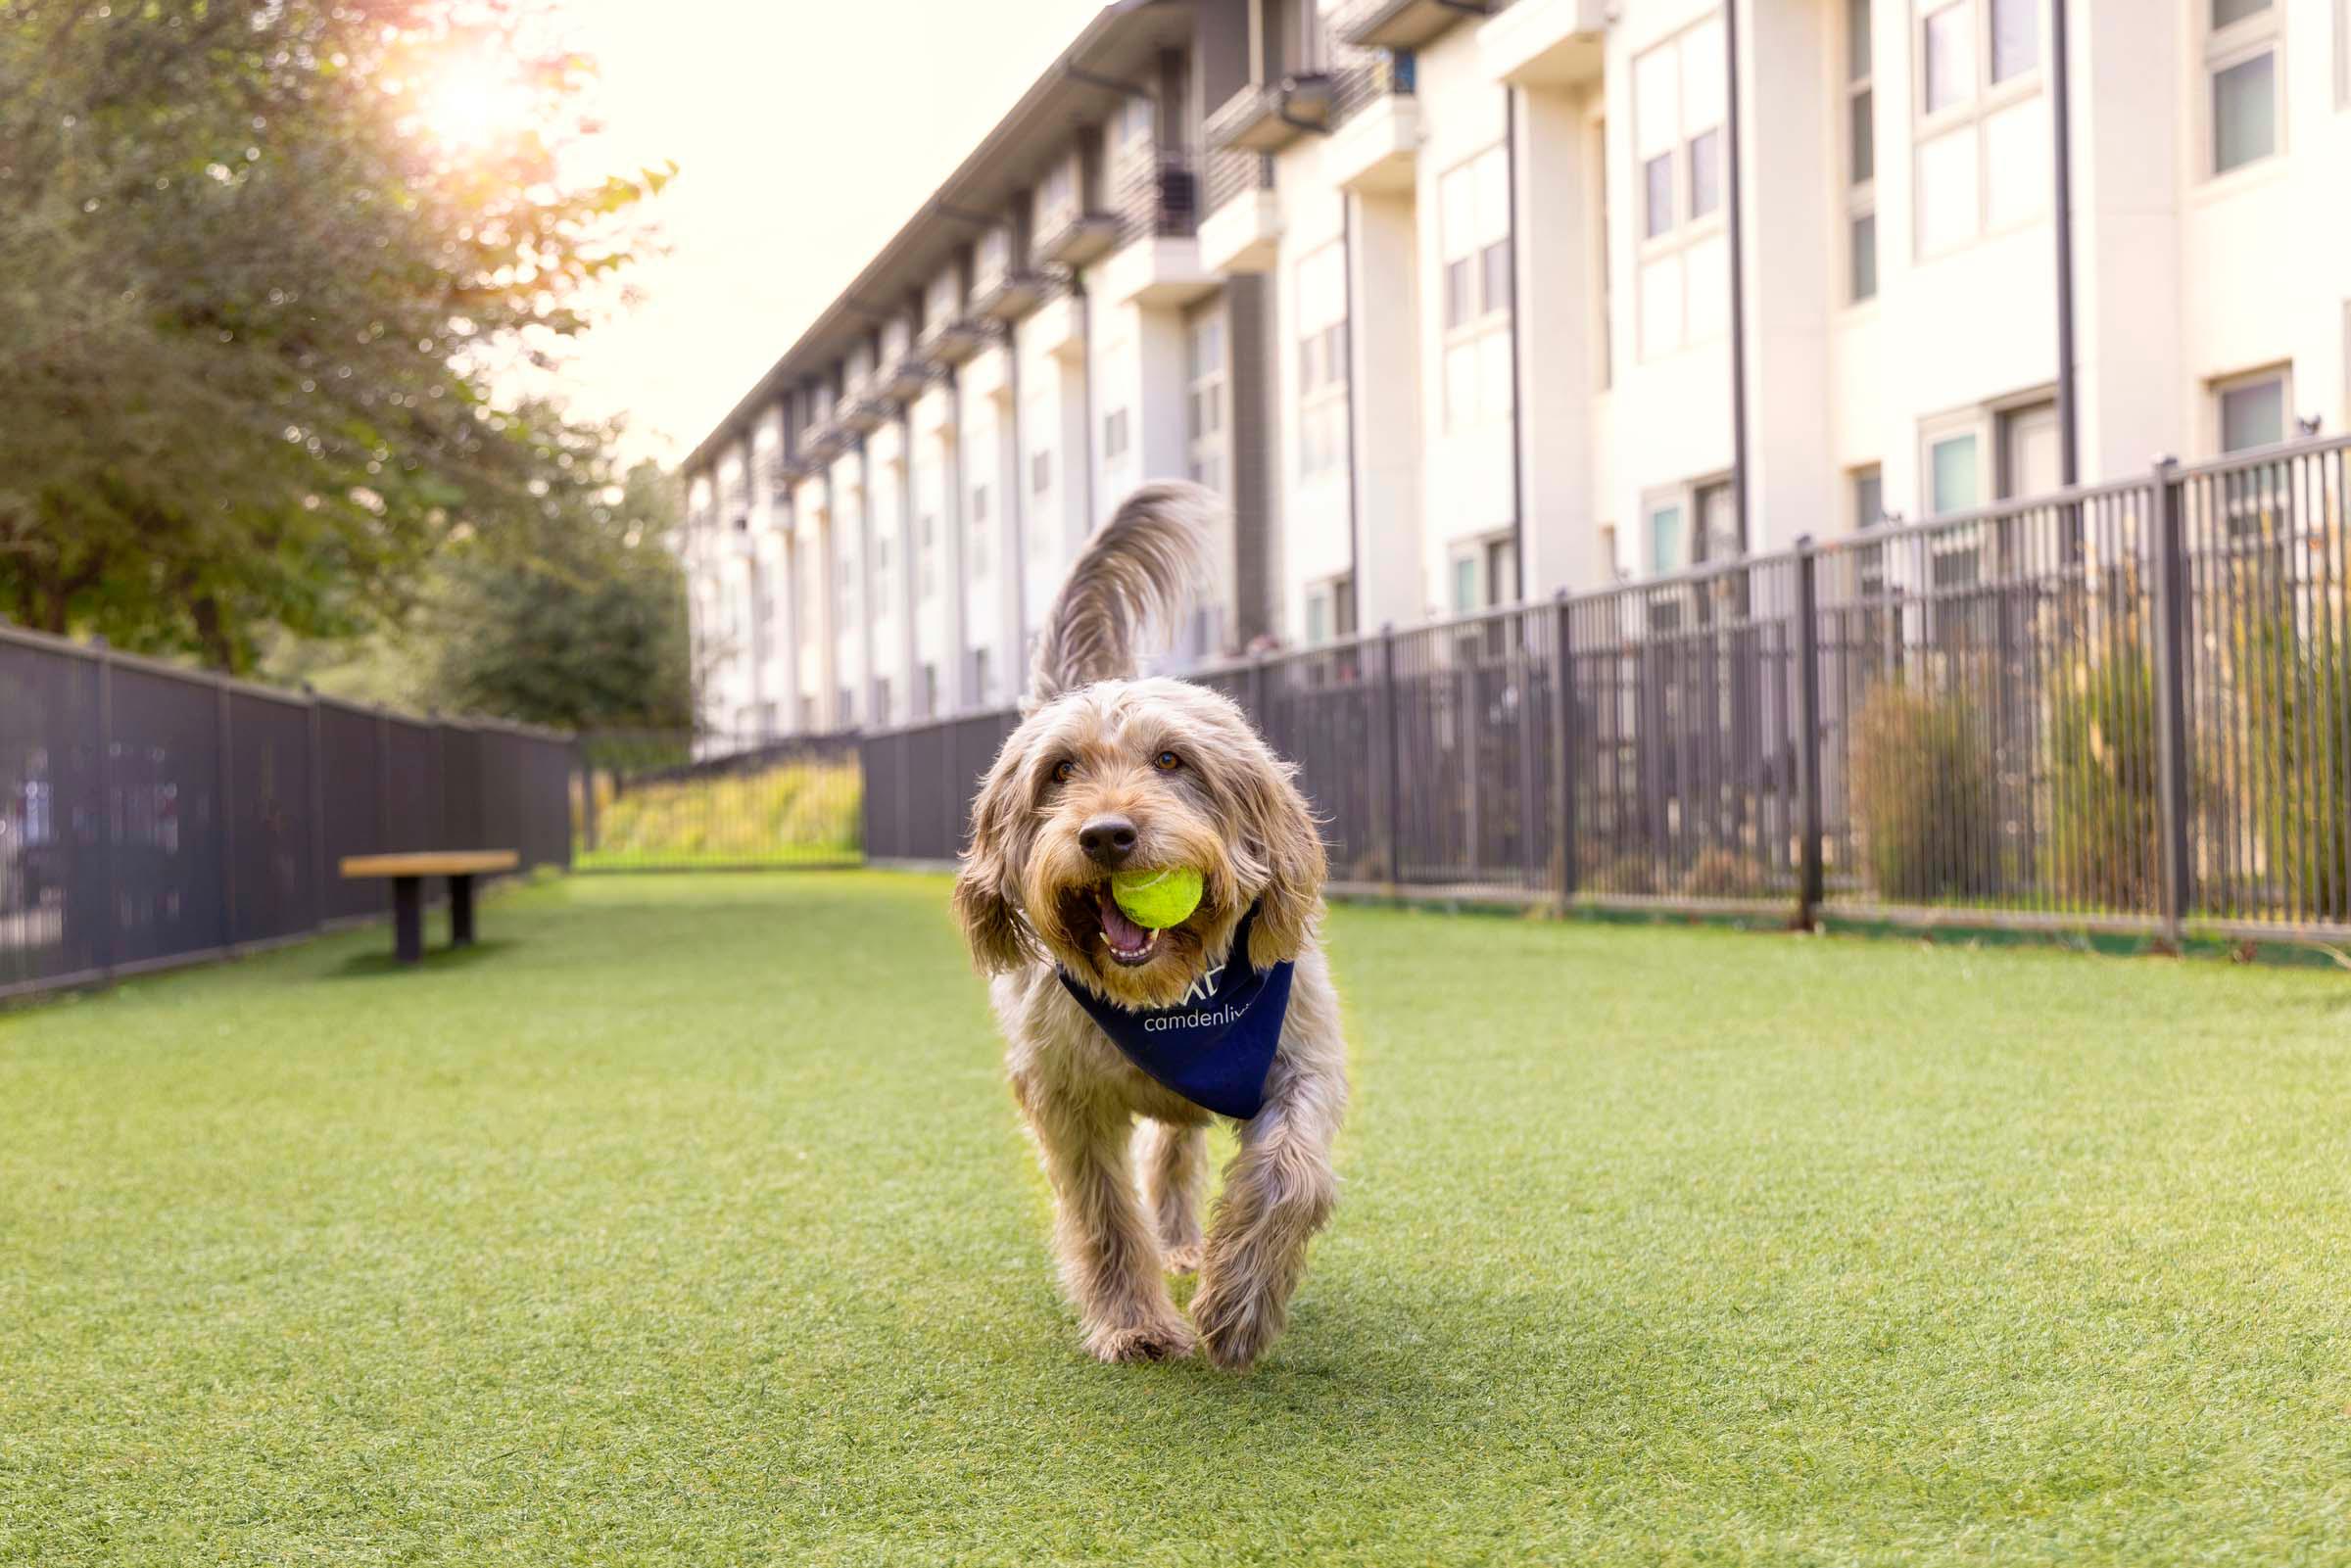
319	882
1807	738
383	781
579	746
1392	746
1562	728
2171	694
108	895
222	741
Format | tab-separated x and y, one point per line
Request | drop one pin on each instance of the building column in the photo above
1384	407
1556	311
1785	52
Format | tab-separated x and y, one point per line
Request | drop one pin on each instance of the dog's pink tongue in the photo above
1124	933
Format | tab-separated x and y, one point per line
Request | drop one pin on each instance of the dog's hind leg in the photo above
1279	1191
1173	1162
1110	1259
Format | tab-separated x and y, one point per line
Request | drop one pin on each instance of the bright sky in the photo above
805	132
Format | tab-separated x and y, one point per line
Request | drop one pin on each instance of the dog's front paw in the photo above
1159	1339
1183	1259
1235	1325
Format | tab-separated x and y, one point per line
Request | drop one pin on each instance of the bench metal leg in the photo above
461	911
407	919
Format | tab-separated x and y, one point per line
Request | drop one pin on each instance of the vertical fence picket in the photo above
1809	817
1390	746
2171	650
224	809
1564	738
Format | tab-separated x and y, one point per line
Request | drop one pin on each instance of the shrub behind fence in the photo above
152	816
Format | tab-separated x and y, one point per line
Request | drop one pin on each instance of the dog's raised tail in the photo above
1138	572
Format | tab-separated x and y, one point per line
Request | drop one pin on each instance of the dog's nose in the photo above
1108	839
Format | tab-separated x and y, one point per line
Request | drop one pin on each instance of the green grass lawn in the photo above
690	1224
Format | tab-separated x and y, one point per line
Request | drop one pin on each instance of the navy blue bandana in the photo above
1216	1045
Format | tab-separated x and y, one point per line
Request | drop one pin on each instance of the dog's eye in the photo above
1167	762
1064	771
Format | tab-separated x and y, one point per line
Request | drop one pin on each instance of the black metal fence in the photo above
2124	707
152	816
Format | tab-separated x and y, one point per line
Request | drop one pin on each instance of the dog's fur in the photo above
1026	898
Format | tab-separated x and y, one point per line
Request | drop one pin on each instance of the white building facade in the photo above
1466	304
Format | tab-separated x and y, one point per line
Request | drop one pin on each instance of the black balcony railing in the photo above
1231	173
1159	195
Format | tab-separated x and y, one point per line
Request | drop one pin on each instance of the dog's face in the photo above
1136	774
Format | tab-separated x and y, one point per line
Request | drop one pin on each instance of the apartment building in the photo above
1462	302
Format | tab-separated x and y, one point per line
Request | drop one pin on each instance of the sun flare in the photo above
475	101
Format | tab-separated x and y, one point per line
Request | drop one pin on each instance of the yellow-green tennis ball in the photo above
1157	899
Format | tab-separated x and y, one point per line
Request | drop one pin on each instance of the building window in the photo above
1057	197
1869	496
2252	410
1677	142
1981	132
929	693
1715	510
1474	233
2242	48
1114	435
979	531
1860	156
983	679
1502	571
881	707
1203	411
1318	616
927	540
1955	473
1135	124
1322	362
1040	471
1464	583
883	599
1667	538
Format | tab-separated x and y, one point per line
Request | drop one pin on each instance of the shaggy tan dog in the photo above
1108	771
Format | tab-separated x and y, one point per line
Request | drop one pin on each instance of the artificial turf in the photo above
691	1225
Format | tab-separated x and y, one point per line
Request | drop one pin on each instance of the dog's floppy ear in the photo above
983	885
1281	832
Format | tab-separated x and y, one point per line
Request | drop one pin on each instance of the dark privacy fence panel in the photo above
2122	707
150	816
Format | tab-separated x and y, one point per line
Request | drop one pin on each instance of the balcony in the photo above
1376	148
951	342
1159	195
908	376
1009	295
1075	237
1544	43
1267	117
1242	231
866	409
823	441
1400	23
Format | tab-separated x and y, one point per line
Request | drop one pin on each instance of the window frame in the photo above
1489	319
1987	100
2217	387
1207	416
1323	340
1859	77
2225	48
1687	231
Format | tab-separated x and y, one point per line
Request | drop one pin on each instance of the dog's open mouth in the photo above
1130	944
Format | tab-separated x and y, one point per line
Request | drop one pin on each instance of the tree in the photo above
250	308
581	623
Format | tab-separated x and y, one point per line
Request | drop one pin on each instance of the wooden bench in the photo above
407	873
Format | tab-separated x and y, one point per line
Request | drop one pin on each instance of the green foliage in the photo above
575	620
2294	707
1923	791
2105	812
1726	872
252	309
790	813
